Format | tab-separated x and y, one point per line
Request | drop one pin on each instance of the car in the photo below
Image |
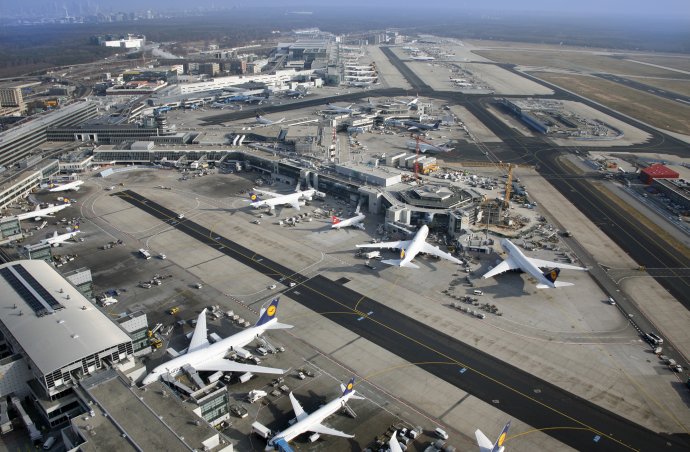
654	339
272	286
612	302
180	216
293	284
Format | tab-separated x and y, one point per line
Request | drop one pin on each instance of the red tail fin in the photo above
335	219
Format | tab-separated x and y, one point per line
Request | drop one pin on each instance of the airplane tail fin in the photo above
399	263
335	220
254	197
349	388
498	445
552	275
269	314
436	124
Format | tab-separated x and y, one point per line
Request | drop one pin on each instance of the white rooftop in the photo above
56	339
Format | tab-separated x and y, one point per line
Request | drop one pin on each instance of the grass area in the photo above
659	112
676	86
658	230
577	61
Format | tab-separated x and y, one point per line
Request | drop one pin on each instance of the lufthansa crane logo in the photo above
271	311
402	254
349	386
501	439
554	274
253	197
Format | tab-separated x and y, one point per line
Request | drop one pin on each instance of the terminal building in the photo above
22	140
51	337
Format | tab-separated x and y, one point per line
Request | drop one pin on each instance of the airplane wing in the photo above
430	249
322	429
200	336
295	204
226	365
297	408
504	266
548	264
393	444
267	193
398	244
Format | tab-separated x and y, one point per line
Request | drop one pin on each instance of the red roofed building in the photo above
657	171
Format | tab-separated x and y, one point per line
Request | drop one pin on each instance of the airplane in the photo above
261	120
426	147
353	129
313	422
68	186
335	109
296	94
359	84
39	213
517	260
357	221
204	356
393	444
247	99
485	445
410	249
414	125
295	199
57	240
423	58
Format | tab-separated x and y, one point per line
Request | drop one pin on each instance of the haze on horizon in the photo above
675	10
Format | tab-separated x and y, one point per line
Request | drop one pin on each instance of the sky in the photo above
675	9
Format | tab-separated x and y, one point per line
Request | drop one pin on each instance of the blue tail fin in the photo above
501	438
436	124
269	313
350	386
552	275
253	196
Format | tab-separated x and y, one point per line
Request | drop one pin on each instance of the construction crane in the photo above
509	184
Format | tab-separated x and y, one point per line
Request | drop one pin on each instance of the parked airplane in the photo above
313	422
203	356
357	221
426	147
423	58
393	444
335	109
516	260
487	446
39	213
68	186
295	199
353	129
410	249
57	240
414	125
295	94
247	99
261	120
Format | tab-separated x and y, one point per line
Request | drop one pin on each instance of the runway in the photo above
680	98
564	416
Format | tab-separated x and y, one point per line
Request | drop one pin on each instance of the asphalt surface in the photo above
564	416
670	95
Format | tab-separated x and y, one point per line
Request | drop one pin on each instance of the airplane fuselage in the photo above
299	196
314	418
524	263
349	222
416	245
210	352
41	213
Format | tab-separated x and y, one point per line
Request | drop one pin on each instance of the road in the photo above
570	419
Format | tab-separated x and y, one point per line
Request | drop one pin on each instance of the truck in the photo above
245	377
261	430
243	353
255	395
371	254
215	376
145	254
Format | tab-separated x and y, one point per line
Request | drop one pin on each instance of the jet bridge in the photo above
194	375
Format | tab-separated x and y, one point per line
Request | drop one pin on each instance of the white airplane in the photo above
295	199
261	120
66	187
393	444
423	58
313	422
357	221
335	109
203	356
426	147
410	249
57	240
516	260
485	445
41	213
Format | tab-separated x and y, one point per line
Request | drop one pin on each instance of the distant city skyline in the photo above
672	9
